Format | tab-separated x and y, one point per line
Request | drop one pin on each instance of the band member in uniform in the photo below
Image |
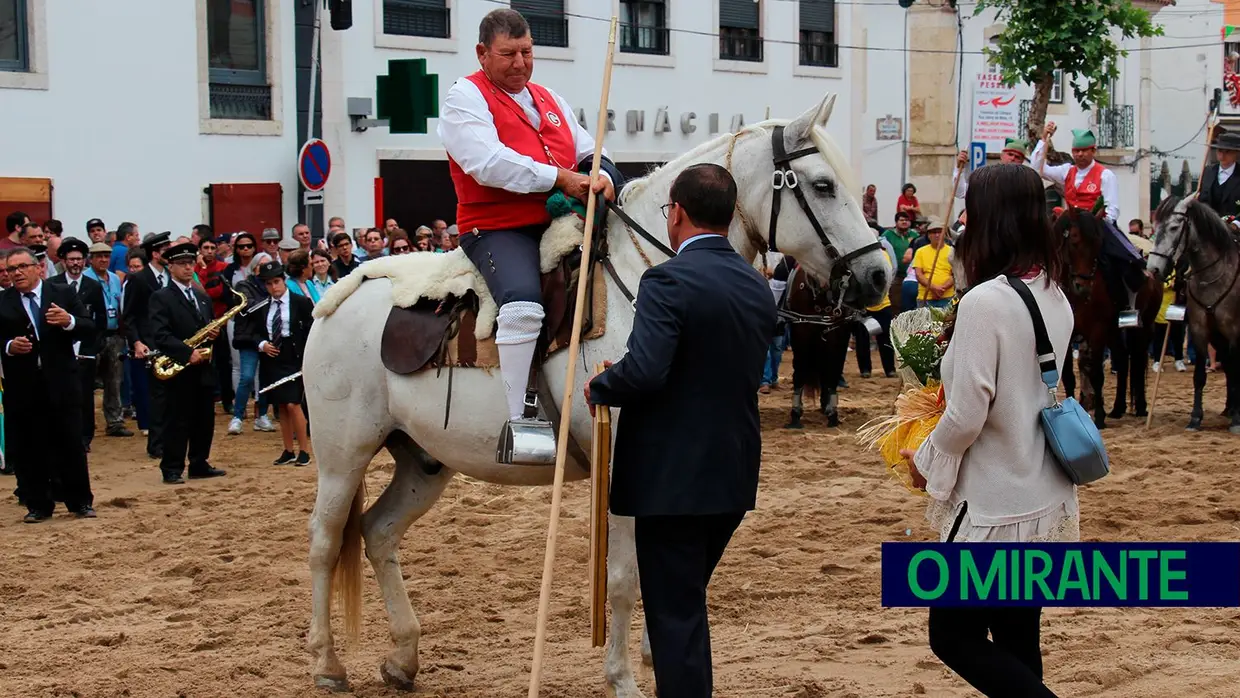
1083	182
177	313
1220	187
73	255
39	324
136	312
279	334
510	143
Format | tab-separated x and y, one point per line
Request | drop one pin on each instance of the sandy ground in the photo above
202	589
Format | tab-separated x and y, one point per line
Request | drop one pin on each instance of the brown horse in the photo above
1097	322
819	342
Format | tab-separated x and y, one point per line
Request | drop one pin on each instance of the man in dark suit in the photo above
73	255
1220	187
39	324
137	323
688	441
177	313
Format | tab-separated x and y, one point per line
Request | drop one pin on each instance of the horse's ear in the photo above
798	131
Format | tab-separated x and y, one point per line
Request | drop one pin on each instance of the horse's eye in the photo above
824	186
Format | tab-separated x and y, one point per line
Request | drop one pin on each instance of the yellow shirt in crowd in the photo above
936	267
1167	299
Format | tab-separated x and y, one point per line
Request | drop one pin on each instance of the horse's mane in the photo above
1210	228
821	139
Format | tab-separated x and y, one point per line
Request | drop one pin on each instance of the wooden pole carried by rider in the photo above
566	406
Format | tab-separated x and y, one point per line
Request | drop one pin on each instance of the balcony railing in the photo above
413	18
820	54
637	38
1114	129
548	31
734	45
251	102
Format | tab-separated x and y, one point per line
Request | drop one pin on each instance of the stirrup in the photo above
526	442
1129	319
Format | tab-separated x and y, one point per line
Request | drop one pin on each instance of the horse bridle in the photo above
1178	252
784	178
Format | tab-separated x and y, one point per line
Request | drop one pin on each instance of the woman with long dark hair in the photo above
986	466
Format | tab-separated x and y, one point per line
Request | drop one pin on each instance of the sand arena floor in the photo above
203	589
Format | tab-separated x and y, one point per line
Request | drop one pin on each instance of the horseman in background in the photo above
1015	151
1220	187
510	144
1084	182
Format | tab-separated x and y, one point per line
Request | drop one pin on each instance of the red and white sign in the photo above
996	111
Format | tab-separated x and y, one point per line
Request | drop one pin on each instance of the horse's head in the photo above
818	220
1171	234
1080	234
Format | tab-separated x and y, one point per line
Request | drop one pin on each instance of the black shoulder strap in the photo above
1046	353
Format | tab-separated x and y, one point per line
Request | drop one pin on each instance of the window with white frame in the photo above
418	18
237	60
14	53
1057	87
548	24
817	29
740	35
643	27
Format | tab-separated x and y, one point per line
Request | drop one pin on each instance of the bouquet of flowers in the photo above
919	338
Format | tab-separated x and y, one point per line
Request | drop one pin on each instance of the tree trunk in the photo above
1037	109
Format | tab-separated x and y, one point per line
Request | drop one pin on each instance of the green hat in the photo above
1083	138
1018	145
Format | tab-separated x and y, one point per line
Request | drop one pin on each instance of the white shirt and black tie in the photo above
188	292
32	303
278	321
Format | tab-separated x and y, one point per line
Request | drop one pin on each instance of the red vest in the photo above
1089	191
490	208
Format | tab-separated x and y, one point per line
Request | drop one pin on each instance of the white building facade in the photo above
172	113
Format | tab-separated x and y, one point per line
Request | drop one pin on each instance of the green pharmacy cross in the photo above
407	96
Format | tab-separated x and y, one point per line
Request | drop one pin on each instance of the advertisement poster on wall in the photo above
996	111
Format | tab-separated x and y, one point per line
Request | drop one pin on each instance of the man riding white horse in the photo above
510	144
1084	182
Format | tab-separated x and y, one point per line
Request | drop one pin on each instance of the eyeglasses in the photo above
400	249
243	247
21	267
666	207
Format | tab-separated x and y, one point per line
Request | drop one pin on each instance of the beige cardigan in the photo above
988	449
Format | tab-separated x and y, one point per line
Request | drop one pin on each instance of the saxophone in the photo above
163	365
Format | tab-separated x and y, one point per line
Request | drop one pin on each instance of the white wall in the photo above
1181	81
691	84
117	130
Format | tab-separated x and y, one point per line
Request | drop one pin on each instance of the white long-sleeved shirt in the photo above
1059	173
1225	174
468	133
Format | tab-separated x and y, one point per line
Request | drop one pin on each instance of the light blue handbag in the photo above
1070	432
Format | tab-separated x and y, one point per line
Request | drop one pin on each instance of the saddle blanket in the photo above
424	275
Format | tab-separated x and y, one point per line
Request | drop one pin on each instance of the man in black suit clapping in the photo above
178	312
73	254
688	440
39	324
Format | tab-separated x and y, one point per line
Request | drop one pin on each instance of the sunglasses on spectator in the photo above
243	247
400	249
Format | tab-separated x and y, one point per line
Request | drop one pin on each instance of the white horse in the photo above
359	407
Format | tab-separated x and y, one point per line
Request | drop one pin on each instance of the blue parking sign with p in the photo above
977	155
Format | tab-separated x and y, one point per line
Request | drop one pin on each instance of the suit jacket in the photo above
1222	199
137	313
91	294
52	359
172	321
253	329
688	440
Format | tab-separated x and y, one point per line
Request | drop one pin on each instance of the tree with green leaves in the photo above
1075	36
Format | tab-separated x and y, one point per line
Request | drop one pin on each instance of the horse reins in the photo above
784	178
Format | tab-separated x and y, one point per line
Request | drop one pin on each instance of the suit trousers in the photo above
86	374
157	412
49	467
190	424
676	556
1006	664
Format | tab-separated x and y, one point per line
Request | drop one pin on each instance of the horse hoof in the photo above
833	421
1117	414
1193	426
395	677
1100	425
335	684
1141	413
1234	429
794	425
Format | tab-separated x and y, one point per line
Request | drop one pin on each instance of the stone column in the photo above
932	104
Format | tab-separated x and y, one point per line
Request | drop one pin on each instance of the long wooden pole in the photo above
951	197
570	388
600	479
1149	419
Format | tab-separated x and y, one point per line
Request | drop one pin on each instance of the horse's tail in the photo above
348	571
810	392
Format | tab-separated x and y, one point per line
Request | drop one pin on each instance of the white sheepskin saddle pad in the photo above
421	275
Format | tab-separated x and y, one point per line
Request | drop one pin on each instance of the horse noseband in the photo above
785	178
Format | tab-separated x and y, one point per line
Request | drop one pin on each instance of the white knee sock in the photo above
516	334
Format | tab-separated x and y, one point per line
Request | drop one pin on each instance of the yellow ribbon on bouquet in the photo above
917	413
